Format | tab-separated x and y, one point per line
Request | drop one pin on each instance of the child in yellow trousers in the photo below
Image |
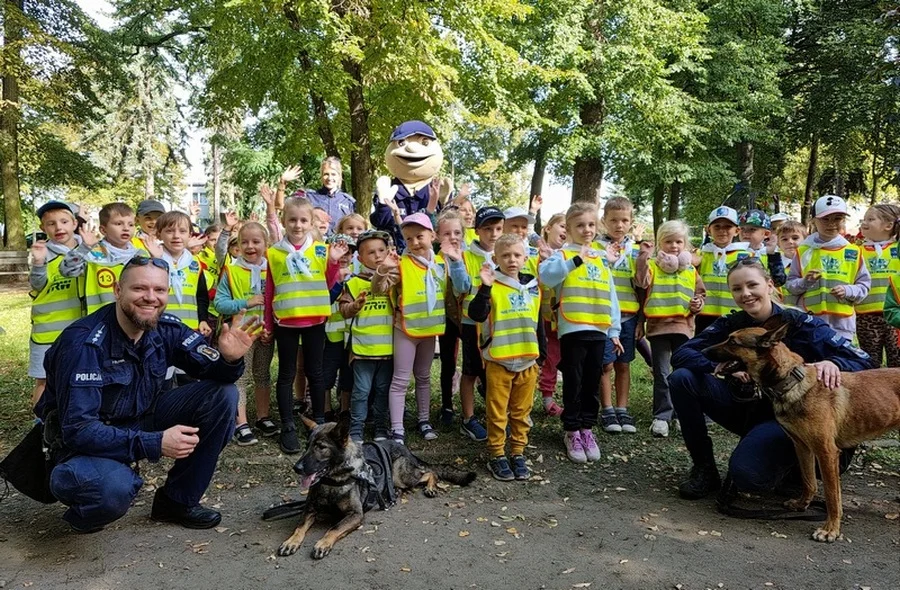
508	303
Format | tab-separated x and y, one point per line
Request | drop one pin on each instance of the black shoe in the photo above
704	480
288	442
88	531
190	517
267	427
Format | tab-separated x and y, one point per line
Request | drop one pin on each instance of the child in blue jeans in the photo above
370	319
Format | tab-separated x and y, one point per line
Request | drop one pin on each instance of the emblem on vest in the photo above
830	264
321	251
593	272
295	263
878	265
517	301
195	266
850	254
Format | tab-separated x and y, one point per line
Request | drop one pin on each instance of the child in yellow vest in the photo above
790	234
828	273
370	318
554	236
302	270
715	258
509	303
588	315
106	260
675	295
621	253
56	289
450	236
336	359
881	230
755	231
207	257
520	222
892	305
242	287
489	222
188	291
416	283
148	211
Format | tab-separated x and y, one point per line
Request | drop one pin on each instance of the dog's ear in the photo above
775	333
311	424
342	432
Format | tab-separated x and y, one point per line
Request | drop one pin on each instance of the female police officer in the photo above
107	405
765	454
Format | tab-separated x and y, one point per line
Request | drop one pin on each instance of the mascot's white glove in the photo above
385	190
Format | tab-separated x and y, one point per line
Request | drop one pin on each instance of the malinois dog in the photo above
820	421
344	485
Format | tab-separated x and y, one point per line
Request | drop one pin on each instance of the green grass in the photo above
15	385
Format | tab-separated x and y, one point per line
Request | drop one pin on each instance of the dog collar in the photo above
797	374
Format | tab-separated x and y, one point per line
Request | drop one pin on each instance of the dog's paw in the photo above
320	550
797	504
824	535
288	548
430	492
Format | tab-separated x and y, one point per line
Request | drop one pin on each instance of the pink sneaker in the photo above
591	450
574	447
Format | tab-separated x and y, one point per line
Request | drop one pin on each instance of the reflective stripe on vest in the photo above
670	295
56	306
718	300
371	330
186	310
622	275
239	283
208	259
882	268
415	319
839	268
100	279
584	295
335	325
300	296
512	326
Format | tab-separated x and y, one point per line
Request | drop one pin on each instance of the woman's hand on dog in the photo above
828	373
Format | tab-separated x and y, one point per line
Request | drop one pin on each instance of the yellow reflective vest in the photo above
718	301
584	296
211	273
300	295
371	330
512	325
55	306
838	266
186	309
882	268
239	283
623	275
670	295
412	305
335	325
473	264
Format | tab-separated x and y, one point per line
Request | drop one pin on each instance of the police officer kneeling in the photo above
108	406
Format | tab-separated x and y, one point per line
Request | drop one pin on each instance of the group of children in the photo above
348	310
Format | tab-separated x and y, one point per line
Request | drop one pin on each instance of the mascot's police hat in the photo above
408	128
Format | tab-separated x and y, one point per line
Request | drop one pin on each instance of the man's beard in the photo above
140	323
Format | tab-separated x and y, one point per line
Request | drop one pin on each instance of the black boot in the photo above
192	517
703	480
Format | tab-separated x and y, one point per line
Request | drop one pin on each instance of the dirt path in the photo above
613	525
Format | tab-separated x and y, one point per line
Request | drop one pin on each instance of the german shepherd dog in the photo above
335	472
820	421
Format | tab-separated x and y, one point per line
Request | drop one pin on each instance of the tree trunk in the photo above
587	177
659	197
674	199
811	170
745	164
537	181
361	166
9	127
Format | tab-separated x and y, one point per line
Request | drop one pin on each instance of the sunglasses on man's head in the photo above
145	260
746	262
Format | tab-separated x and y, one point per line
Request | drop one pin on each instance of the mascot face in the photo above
414	154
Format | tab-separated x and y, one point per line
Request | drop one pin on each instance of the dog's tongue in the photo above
307	481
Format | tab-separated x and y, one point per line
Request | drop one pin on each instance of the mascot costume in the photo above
413	157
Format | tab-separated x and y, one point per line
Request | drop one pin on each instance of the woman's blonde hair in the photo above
673	227
332	162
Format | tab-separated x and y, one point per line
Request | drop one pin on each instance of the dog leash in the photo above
286	510
815	512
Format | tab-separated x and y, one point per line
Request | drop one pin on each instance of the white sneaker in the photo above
574	447
659	428
591	450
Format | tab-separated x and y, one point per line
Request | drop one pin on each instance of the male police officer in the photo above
106	404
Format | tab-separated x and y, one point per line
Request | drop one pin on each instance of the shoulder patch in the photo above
190	339
321	251
97	336
209	352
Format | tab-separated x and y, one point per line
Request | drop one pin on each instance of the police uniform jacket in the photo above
104	385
